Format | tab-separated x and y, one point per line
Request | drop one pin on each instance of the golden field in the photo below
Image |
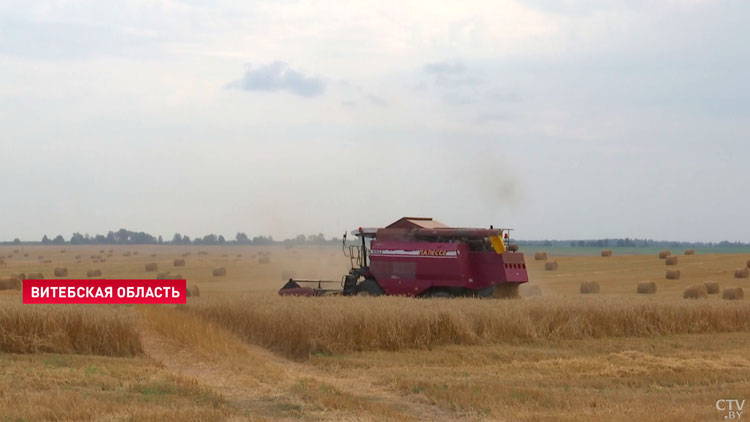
240	352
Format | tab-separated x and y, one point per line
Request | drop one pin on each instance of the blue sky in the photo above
563	119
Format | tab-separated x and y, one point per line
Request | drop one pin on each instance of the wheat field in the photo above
240	352
90	330
299	327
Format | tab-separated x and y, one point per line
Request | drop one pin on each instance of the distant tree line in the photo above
127	237
628	242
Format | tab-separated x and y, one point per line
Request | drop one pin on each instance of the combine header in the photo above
423	257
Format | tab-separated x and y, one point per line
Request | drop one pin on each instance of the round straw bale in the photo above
126	254
589	287
186	254
15	250
40	257
220	272
550	266
20	276
673	274
102	250
35	276
742	273
239	255
540	256
646	287
162	276
78	256
62	250
513	247
532	290
663	254
671	260
733	293
10	283
748	264
93	273
193	291
152	266
135	252
202	253
264	260
102	260
46	261
2	261
179	262
61	272
695	292
689	251
606	252
712	287
153	255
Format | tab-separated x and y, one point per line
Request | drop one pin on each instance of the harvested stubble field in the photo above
240	352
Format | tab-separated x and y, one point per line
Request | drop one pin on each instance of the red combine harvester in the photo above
423	257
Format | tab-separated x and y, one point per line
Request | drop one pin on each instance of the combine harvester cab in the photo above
425	258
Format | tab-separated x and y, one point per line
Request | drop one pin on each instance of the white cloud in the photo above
278	76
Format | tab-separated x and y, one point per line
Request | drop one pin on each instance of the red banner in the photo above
104	291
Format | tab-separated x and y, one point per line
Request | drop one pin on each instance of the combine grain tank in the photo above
422	257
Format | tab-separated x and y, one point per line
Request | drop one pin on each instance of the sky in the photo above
572	119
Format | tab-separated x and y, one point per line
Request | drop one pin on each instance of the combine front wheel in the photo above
369	287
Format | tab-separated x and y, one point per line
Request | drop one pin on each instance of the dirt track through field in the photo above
278	397
216	376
